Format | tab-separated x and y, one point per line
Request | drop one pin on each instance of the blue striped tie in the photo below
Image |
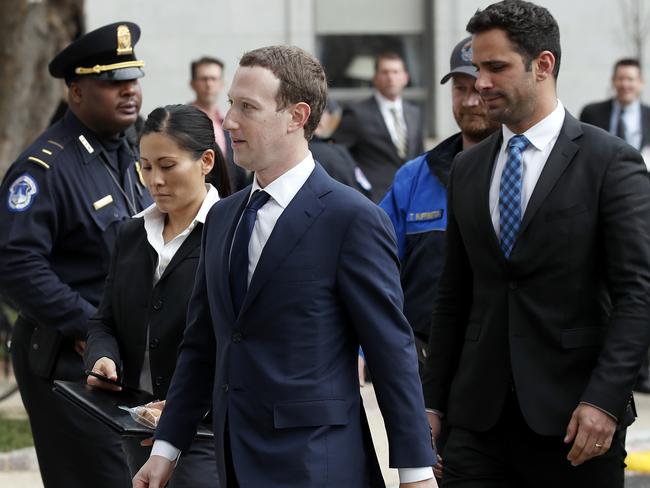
510	194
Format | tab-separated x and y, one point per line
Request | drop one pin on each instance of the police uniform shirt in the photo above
60	203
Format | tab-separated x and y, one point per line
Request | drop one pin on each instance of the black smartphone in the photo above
104	378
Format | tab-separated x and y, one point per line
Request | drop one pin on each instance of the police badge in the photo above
22	193
123	40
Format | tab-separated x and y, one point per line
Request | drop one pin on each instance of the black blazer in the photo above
566	318
599	114
130	303
364	132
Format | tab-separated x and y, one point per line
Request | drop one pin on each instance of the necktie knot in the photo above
258	200
519	142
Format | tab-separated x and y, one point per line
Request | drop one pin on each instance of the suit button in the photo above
157	305
35	347
225	388
236	337
512	285
159	380
153	343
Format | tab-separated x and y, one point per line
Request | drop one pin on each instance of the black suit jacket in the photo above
364	132
131	302
566	318
599	114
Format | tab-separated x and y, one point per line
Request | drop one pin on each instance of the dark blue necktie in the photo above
239	253
510	194
620	125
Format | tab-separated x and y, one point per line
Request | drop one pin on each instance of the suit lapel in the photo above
152	256
410	117
645	126
484	180
381	123
560	157
299	215
224	275
189	244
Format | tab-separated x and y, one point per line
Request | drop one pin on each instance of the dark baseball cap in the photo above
461	60
105	53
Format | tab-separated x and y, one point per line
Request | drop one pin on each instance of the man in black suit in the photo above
624	115
540	321
383	131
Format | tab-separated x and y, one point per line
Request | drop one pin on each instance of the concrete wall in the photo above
174	33
592	35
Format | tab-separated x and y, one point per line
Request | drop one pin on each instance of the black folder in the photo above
104	406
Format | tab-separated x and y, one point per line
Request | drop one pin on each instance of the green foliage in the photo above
14	434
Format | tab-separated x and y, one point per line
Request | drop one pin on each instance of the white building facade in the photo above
346	33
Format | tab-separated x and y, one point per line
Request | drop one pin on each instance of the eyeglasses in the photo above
205	79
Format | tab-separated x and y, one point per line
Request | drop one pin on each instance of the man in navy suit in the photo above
296	272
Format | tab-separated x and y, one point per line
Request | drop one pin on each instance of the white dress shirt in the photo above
154	225
542	137
632	121
281	191
385	107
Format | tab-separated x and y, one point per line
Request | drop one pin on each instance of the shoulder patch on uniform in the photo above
22	193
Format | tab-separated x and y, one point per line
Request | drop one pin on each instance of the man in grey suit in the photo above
383	131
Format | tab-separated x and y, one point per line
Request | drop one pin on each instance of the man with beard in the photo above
417	201
541	316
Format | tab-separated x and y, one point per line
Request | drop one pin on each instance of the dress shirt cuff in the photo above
166	450
411	475
436	412
602	410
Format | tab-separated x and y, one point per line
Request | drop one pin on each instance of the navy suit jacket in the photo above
364	132
282	374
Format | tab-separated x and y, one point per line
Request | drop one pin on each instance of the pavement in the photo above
19	469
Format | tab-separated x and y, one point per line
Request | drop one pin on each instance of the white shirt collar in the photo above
155	217
634	107
386	104
285	187
543	132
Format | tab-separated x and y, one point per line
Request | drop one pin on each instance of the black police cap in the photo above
105	53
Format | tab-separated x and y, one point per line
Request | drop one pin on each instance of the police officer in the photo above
60	204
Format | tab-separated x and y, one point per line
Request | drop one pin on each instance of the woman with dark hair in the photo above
140	322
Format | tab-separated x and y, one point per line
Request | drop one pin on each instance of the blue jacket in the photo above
417	205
